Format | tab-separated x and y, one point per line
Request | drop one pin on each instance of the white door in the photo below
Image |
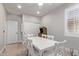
12	36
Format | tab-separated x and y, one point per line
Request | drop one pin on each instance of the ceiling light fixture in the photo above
38	12
40	4
19	6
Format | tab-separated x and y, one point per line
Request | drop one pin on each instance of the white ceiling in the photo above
30	8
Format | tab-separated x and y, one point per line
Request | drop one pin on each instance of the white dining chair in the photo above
24	42
29	45
68	52
55	51
58	51
50	37
32	51
61	50
75	52
50	52
30	35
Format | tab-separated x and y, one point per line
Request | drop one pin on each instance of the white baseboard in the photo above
14	43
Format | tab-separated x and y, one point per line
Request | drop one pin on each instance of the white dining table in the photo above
42	44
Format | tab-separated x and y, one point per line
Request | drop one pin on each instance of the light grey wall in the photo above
2	26
54	22
31	19
31	24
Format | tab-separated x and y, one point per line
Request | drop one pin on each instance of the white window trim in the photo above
65	21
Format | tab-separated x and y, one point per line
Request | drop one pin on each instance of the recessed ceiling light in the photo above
38	12
19	6
40	4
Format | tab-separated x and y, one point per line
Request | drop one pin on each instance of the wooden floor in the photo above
15	50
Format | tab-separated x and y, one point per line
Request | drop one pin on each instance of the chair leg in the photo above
27	52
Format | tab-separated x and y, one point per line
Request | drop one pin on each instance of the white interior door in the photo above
12	32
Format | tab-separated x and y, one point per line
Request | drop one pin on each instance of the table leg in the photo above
40	52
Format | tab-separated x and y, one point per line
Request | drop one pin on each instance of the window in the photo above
72	21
